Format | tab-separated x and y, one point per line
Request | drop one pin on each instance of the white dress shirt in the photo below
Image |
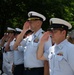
30	49
61	59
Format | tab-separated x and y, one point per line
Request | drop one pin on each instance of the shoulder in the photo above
41	34
52	48
70	48
69	45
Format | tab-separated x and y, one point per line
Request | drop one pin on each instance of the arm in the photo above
3	40
7	47
20	36
71	58
46	68
40	53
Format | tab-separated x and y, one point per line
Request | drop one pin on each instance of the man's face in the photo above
33	24
57	35
10	34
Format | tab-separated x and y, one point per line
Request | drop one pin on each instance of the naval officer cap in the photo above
10	30
32	15
18	30
56	23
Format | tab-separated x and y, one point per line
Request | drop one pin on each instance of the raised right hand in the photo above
26	26
45	37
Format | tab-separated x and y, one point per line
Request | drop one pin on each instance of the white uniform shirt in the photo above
18	56
61	59
30	49
7	62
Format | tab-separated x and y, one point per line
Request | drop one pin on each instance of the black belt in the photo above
18	65
35	68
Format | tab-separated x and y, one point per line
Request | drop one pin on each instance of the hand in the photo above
45	36
5	36
11	38
12	69
26	25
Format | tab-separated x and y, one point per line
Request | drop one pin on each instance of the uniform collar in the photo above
60	46
38	32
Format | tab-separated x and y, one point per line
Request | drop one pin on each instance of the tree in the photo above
14	12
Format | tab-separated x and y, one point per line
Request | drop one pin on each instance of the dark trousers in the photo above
18	69
34	71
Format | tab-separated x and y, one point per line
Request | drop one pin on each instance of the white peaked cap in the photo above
60	21
18	29
9	28
36	14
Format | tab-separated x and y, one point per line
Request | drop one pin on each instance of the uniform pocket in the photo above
35	44
58	57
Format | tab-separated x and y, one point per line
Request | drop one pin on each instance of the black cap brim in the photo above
56	26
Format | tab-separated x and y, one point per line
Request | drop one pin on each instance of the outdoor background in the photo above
13	13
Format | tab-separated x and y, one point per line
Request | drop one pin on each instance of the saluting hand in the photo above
45	37
5	36
26	26
11	37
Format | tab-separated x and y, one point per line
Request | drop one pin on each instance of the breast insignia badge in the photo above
60	54
36	40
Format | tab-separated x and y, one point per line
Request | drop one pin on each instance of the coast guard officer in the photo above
8	54
61	54
18	59
32	66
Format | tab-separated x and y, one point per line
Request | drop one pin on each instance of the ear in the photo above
64	32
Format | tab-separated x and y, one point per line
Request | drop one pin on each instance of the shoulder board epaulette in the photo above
15	40
42	32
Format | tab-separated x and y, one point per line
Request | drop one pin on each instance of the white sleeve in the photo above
11	47
12	44
20	48
23	42
48	44
46	53
71	57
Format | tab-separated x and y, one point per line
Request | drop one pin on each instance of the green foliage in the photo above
13	13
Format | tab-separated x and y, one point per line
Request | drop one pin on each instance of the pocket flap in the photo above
58	57
35	44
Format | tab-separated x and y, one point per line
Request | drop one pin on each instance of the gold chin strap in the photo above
33	18
10	31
